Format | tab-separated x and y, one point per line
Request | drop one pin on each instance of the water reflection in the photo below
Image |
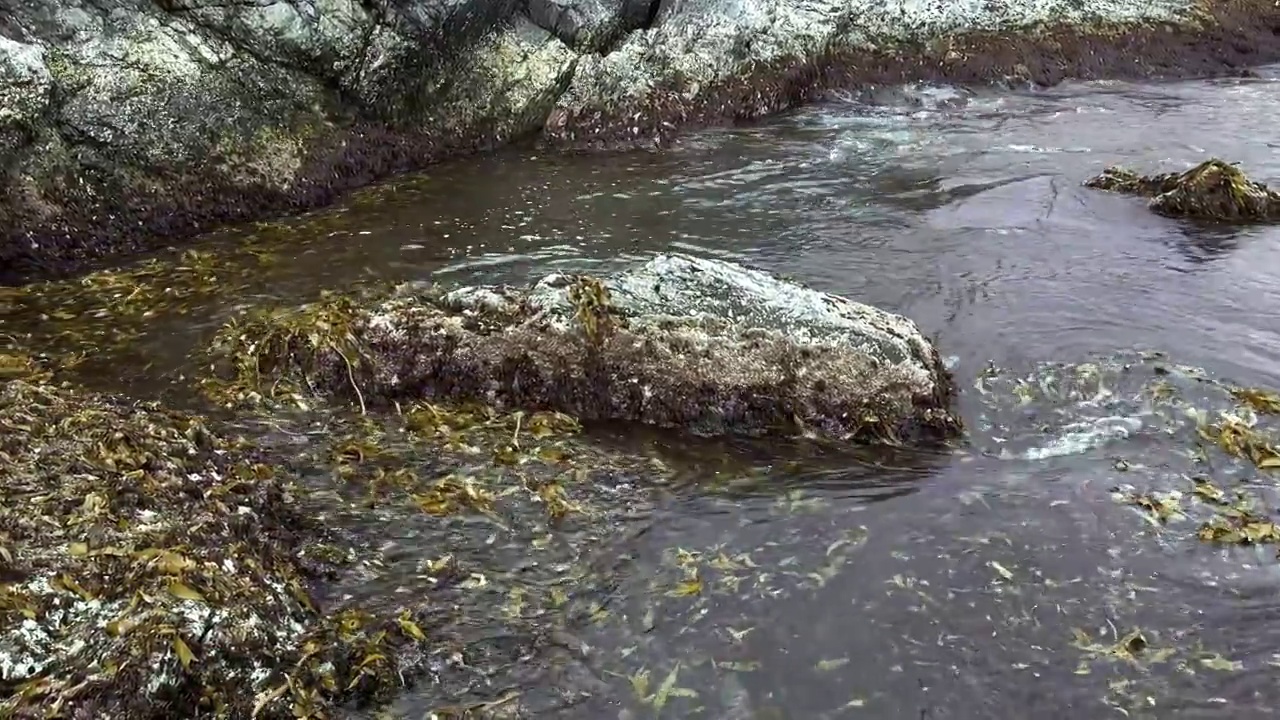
1206	243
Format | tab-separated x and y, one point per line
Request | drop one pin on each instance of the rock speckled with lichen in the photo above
701	345
126	122
1212	190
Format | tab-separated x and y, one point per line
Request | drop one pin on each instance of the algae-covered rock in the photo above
1212	190
152	568
701	345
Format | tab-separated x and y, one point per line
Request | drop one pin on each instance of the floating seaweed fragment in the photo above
1134	647
1240	525
1215	661
1236	435
453	494
1266	402
1206	491
1158	508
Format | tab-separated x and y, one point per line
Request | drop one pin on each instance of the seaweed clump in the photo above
274	355
107	309
150	567
1213	190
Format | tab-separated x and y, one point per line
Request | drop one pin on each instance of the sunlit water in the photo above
935	586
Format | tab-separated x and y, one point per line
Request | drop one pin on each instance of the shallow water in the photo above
930	586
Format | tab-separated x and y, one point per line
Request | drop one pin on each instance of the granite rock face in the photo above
127	122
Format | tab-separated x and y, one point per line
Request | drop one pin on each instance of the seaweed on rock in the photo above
700	345
152	568
1213	190
272	354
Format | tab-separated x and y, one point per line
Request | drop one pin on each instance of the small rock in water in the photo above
1212	190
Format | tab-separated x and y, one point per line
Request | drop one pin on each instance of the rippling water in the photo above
907	587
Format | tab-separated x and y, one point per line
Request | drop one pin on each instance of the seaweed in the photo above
271	355
594	311
1213	190
151	567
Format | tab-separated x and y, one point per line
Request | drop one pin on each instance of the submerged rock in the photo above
1212	190
150	567
701	345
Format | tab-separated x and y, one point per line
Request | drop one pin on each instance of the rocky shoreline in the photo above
130	124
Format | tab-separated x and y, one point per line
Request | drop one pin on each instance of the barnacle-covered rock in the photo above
1212	190
150	567
702	345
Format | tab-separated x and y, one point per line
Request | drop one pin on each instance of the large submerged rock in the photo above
1212	190
128	119
701	345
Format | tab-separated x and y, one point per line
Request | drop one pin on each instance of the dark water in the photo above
917	587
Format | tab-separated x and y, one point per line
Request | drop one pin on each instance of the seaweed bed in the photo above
156	563
155	568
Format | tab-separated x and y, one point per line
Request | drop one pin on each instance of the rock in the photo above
25	98
700	345
170	121
1212	190
709	61
130	122
151	566
591	25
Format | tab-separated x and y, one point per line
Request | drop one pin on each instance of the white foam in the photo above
1083	436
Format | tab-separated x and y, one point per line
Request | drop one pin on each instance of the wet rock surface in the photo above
154	562
152	566
1213	190
591	25
127	120
700	345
